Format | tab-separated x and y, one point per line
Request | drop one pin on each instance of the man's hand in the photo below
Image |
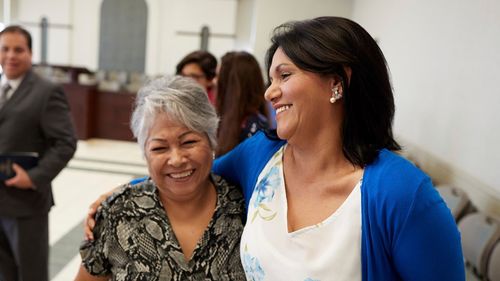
21	180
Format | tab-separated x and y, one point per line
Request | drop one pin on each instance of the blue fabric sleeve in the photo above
94	253
428	246
228	166
138	180
242	165
408	233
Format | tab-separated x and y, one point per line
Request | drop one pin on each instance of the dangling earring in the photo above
336	95
213	155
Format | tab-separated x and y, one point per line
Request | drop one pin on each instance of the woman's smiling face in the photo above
179	159
299	97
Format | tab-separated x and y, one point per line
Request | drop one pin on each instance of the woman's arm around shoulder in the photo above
242	165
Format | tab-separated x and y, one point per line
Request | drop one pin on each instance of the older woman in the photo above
183	223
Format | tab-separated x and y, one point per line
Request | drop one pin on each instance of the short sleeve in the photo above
94	253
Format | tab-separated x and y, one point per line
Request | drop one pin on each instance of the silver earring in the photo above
336	95
213	155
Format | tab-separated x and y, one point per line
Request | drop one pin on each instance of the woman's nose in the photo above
272	92
176	158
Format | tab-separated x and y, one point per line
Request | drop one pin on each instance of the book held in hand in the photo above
27	160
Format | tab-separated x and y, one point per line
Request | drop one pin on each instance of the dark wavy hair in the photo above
326	45
206	61
18	29
240	92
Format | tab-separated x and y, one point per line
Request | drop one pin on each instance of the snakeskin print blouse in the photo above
135	241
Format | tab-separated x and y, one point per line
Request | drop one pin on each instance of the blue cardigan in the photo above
407	233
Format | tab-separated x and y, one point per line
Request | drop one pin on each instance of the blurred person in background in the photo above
240	100
34	118
201	66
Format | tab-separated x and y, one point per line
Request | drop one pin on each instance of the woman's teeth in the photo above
283	108
181	175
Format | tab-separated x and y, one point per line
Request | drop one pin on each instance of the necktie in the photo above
3	94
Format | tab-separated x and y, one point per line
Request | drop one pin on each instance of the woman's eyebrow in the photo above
280	66
185	134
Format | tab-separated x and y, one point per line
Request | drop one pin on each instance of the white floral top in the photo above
330	250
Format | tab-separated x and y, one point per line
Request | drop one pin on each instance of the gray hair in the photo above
182	99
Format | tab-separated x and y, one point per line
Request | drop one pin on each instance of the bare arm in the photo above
84	275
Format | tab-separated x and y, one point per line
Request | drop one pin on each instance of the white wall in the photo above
271	13
444	57
58	12
85	36
245	23
77	44
190	16
249	22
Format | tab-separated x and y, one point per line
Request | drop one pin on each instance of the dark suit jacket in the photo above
36	119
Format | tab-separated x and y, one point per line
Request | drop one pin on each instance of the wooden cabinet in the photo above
82	101
113	111
100	114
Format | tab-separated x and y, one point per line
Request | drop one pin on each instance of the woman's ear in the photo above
337	89
337	83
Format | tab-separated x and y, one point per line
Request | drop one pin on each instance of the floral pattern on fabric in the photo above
252	267
264	193
269	251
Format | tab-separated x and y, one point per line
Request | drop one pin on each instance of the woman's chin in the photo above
282	132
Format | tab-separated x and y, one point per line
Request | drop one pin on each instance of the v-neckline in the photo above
330	218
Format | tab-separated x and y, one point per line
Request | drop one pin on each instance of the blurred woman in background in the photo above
240	100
